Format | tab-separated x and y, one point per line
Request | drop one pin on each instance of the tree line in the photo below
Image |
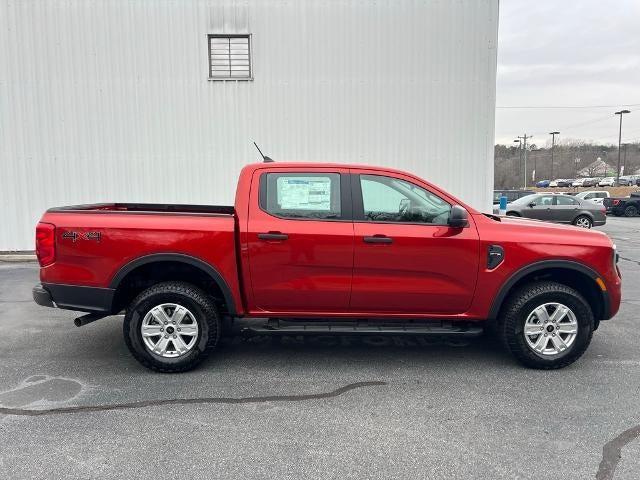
571	159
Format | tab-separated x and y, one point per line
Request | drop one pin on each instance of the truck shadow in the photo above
354	348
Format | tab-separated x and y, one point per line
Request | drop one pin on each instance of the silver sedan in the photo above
558	208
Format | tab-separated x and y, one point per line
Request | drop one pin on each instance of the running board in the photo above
274	326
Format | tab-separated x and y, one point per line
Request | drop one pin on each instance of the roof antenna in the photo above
265	159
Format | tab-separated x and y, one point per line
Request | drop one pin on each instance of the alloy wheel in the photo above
169	330
550	329
583	222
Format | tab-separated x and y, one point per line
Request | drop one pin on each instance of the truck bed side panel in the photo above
92	247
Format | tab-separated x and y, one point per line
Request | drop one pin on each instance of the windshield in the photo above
525	200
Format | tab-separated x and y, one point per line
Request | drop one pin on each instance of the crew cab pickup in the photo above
321	249
627	206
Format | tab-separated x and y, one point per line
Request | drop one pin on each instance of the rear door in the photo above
300	241
565	208
407	260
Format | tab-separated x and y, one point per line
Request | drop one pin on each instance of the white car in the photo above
553	183
593	196
578	182
607	182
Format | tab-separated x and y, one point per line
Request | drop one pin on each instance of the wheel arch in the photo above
126	282
571	273
583	213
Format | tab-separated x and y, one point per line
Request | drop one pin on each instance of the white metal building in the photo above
159	100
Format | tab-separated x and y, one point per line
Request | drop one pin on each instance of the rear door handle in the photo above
273	236
378	239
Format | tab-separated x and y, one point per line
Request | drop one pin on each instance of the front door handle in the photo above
378	239
273	236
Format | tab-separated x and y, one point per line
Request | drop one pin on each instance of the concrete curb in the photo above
17	257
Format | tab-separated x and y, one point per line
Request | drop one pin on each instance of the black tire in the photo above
513	214
630	211
583	218
522	302
196	301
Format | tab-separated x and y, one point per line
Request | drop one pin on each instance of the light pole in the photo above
524	155
553	144
624	161
534	177
621	113
519	154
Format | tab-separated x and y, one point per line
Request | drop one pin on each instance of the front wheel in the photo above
171	327
546	325
583	221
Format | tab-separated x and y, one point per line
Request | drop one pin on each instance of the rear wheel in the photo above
583	221
630	211
546	325
171	327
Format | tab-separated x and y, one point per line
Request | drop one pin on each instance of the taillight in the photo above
46	243
616	202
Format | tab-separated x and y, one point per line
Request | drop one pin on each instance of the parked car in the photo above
553	183
627	206
594	196
591	182
326	249
629	180
566	182
559	208
543	183
585	182
510	194
607	182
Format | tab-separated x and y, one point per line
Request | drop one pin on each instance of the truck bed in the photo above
147	208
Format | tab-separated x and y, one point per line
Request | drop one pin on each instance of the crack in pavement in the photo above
187	401
612	453
630	260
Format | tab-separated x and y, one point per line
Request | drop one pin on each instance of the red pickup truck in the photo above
322	248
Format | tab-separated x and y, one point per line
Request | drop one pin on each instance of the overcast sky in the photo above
568	53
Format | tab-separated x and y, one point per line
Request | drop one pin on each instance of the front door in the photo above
300	241
540	208
407	259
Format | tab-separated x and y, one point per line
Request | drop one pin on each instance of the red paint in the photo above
324	267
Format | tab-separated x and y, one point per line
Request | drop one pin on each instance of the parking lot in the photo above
323	407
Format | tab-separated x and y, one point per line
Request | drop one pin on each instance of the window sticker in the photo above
304	193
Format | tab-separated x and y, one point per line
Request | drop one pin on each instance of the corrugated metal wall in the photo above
110	100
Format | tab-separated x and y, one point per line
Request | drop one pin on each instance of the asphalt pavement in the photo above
75	404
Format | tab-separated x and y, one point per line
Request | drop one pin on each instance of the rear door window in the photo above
301	195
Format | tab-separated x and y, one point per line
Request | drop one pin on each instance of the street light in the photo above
621	113
624	161
553	144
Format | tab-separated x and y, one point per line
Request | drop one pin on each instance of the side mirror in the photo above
532	204
458	218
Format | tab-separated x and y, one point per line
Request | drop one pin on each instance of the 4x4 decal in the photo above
97	236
